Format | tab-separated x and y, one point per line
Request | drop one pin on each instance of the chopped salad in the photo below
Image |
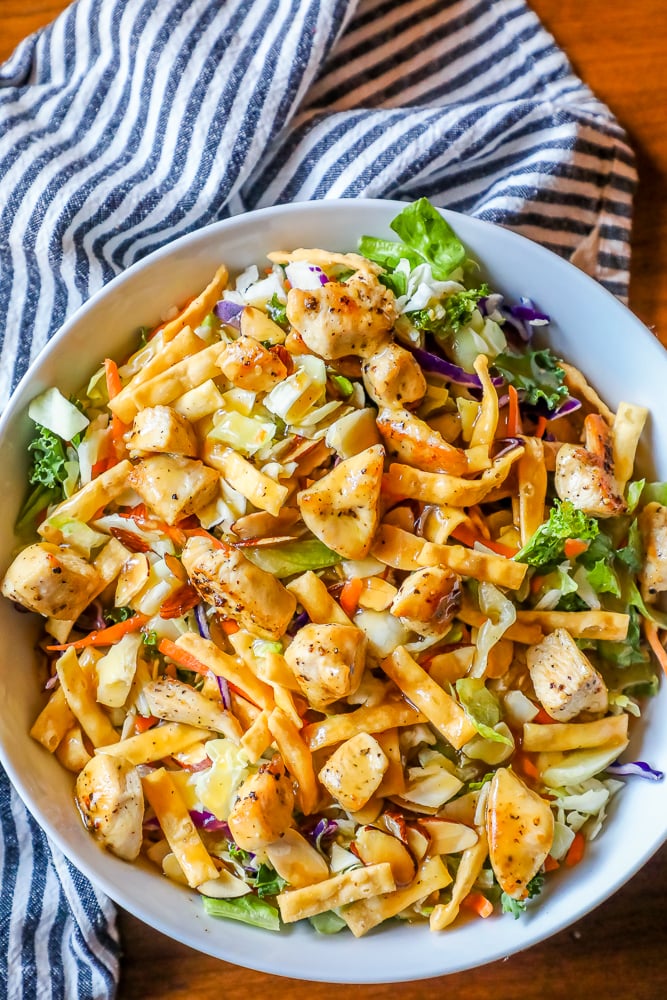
349	591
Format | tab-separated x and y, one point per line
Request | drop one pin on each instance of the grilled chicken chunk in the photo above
249	365
242	591
428	599
172	486
342	508
111	801
328	661
411	440
52	581
341	318
653	528
585	476
565	680
393	378
354	771
263	808
161	429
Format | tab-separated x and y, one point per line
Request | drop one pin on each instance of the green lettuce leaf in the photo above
426	238
547	544
277	311
293	557
602	579
537	373
481	707
247	909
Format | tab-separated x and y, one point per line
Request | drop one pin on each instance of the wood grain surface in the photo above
618	950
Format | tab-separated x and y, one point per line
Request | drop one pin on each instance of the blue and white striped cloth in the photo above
127	123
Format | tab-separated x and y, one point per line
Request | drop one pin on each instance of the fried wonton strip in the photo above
610	625
169	384
316	600
446	836
393	779
156	743
271	668
258	737
198	309
527	634
367	719
93	720
532	478
197	403
365	914
262	491
440	521
440	708
85	503
484	428
178	828
574	735
229	667
626	432
71	751
324	259
472	860
53	722
398	548
485	566
297	757
441	488
339	890
166	354
578	386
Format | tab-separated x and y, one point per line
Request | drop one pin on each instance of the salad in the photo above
350	591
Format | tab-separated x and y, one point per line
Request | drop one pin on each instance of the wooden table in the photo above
619	949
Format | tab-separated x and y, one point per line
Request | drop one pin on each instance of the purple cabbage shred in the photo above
454	373
228	312
205	820
637	769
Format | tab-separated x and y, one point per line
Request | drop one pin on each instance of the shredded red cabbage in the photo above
320	830
504	445
223	688
202	623
636	768
298	622
205	820
454	373
91	619
228	312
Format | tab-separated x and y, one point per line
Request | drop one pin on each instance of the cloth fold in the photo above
126	124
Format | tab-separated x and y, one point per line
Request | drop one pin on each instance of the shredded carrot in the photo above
536	583
105	636
229	627
478	903
181	657
464	534
114	384
651	631
524	763
513	413
203	533
573	547
350	594
543	718
118	428
99	467
576	852
145	722
550	864
540	429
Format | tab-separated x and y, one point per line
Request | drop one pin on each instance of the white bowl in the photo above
590	329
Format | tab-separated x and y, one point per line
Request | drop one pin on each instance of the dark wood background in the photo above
620	949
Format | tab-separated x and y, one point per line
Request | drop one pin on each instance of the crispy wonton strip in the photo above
574	735
532	476
53	722
257	737
93	720
626	432
164	356
324	259
440	708
578	386
393	779
71	751
156	743
441	488
397	548
610	625
365	914
484	429
178	828
262	491
486	566
472	860
198	309
297	757
339	890
527	634
316	600
83	504
367	719
229	667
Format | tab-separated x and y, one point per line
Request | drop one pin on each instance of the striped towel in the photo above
128	123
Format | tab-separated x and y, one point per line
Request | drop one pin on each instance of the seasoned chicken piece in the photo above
520	831
653	527
249	365
172	486
111	800
161	429
565	680
428	599
174	701
354	771
412	441
242	591
52	581
392	377
342	508
354	317
328	661
263	808
585	476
